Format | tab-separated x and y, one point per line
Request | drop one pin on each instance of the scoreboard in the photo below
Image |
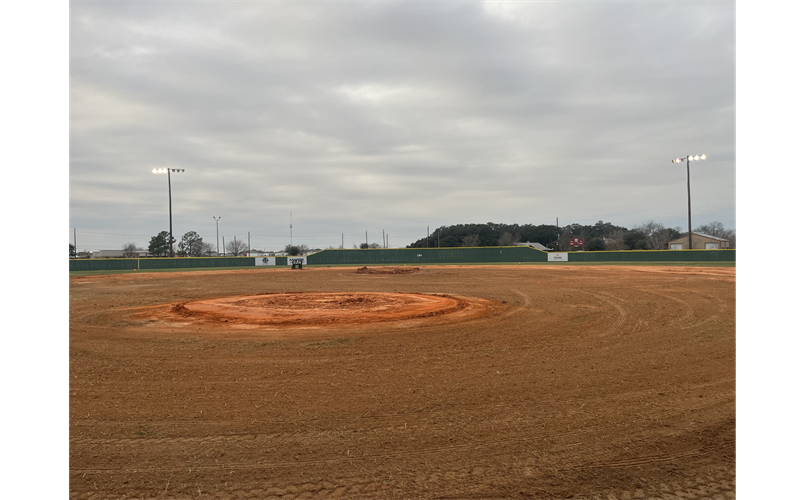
576	242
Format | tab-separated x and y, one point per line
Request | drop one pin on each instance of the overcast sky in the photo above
395	116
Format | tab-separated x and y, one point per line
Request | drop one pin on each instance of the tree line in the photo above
193	245
190	245
650	235
602	235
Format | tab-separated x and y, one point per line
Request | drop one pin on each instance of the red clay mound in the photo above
322	309
387	270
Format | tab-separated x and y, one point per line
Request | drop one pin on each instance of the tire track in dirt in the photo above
584	429
637	461
718	486
524	303
688	407
587	426
622	314
97	447
686	306
722	306
461	484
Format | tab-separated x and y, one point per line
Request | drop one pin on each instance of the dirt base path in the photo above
563	382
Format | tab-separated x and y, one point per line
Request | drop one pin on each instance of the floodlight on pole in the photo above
170	208
688	159
217	249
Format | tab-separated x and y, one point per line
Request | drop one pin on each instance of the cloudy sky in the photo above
395	116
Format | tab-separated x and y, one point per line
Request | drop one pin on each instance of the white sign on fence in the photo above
557	257
265	261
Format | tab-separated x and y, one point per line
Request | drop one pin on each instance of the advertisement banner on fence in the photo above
265	261
557	257
297	260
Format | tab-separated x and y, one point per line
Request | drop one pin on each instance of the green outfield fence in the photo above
162	263
102	264
457	255
654	256
194	262
391	256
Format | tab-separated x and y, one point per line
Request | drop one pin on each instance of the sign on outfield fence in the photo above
557	257
265	261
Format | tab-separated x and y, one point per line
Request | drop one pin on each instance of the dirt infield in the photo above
451	382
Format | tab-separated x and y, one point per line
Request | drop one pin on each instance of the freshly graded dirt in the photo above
452	382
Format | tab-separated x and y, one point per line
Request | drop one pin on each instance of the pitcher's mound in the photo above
325	309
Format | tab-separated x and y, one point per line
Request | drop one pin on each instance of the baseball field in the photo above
505	381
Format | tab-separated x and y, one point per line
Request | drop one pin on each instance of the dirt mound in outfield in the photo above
387	270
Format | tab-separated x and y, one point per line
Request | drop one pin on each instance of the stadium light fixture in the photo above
688	159
217	249
170	207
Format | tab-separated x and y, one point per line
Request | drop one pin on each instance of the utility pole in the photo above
342	241
223	244
170	204
170	213
75	245
384	238
249	239
291	219
427	240
367	239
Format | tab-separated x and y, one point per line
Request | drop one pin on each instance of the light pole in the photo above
170	208
680	160
217	249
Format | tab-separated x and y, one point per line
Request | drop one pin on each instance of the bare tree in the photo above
236	247
657	235
471	240
614	240
508	239
207	249
718	230
130	250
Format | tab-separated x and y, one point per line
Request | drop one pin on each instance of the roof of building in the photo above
116	253
685	235
538	246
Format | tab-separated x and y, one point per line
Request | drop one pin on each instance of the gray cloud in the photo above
395	116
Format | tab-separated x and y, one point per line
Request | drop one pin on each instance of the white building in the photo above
117	254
